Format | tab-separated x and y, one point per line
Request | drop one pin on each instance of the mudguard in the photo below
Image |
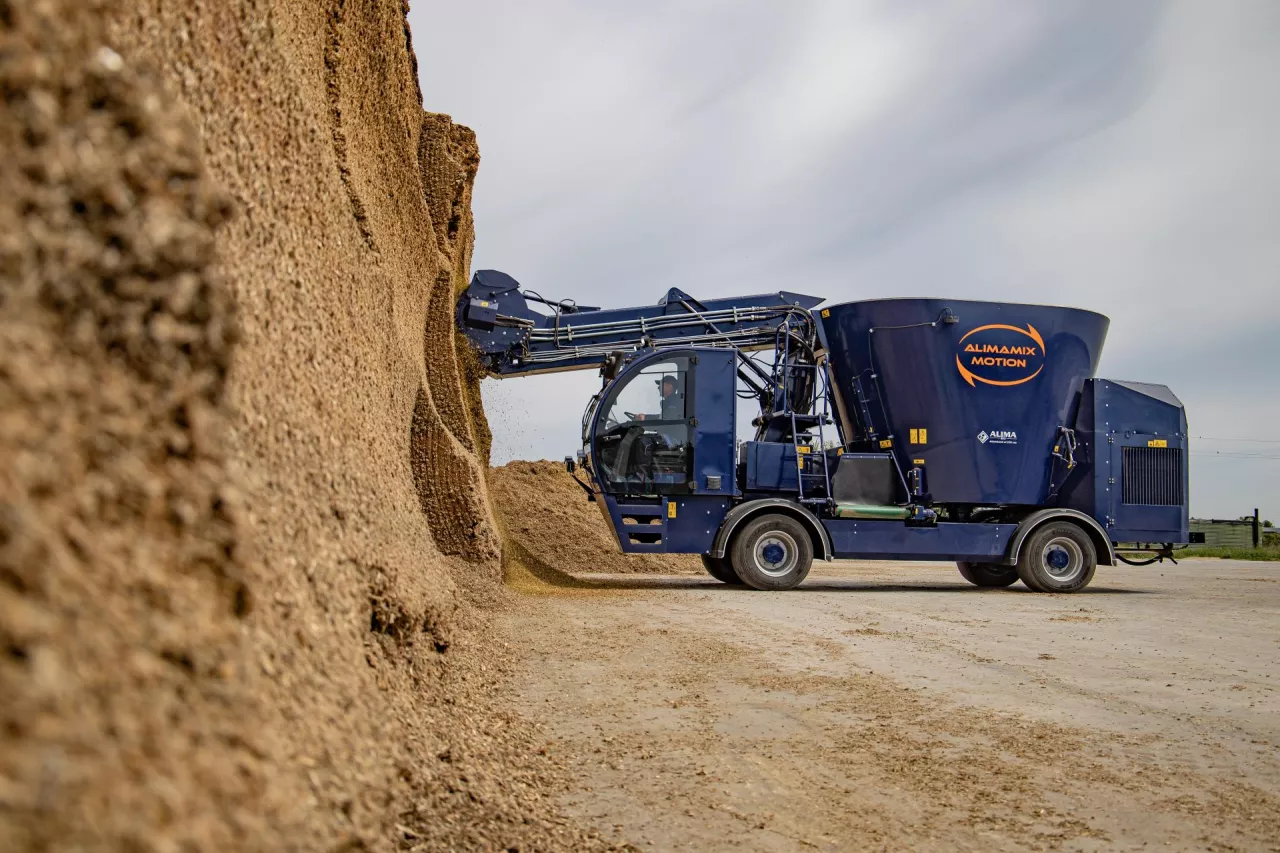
744	511
1101	541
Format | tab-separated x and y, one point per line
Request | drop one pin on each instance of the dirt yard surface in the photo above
895	707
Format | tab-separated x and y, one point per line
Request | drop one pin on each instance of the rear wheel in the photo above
772	552
1058	557
988	574
720	568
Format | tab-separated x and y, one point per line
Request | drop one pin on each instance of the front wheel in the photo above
772	552
720	568
1059	557
988	574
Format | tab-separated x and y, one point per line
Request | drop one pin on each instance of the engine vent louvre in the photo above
1152	476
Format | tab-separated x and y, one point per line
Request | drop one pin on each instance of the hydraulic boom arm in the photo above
514	340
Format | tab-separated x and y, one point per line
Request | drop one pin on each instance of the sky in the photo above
1120	157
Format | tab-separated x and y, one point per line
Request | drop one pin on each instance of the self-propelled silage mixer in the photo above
885	429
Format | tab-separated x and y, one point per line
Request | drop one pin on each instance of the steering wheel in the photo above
610	422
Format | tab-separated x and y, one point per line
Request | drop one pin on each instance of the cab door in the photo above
714	421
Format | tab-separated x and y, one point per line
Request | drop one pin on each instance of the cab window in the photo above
643	439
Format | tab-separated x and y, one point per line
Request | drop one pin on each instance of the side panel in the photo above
855	539
771	467
691	527
775	468
1132	472
866	478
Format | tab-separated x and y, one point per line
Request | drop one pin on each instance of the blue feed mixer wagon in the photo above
887	429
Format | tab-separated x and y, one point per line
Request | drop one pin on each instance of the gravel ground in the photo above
896	707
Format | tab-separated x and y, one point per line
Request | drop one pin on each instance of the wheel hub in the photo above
776	554
1062	558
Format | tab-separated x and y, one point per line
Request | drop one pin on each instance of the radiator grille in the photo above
1152	476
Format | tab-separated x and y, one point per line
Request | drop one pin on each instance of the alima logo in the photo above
1001	355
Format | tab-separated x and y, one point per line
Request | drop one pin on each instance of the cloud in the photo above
1112	156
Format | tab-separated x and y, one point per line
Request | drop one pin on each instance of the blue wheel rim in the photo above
1063	559
776	554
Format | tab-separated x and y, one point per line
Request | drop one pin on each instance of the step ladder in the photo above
820	417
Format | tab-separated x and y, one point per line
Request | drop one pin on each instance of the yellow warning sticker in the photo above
915	436
924	436
1158	442
671	509
886	443
826	312
484	304
804	448
917	461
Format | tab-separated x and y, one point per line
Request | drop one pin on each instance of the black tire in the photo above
988	574
1058	557
772	552
721	569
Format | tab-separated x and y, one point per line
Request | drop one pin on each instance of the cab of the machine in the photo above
665	425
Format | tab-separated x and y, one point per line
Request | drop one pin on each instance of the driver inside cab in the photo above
672	405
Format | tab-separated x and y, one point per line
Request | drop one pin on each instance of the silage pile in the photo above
547	516
241	491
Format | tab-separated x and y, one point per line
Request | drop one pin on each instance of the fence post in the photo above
1256	538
